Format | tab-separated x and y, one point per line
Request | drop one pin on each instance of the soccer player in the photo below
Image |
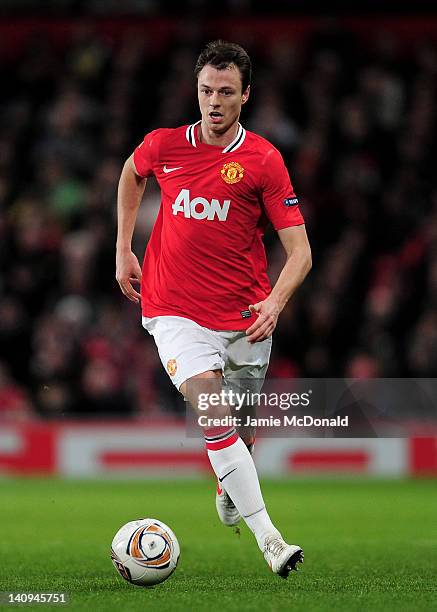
205	296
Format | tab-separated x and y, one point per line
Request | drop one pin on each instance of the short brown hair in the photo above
222	54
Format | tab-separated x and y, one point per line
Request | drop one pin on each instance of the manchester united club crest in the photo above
232	173
172	367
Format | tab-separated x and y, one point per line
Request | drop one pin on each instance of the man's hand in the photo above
295	242
128	271
130	191
268	312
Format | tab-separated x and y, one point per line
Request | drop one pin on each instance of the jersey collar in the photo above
190	135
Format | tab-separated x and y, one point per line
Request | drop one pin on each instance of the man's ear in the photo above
245	96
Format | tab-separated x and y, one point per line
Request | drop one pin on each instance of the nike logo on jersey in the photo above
167	170
200	208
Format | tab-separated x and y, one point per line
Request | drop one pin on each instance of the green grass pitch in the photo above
369	545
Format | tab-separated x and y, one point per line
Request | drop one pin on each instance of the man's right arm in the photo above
130	192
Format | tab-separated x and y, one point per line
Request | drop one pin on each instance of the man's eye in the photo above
206	91
227	93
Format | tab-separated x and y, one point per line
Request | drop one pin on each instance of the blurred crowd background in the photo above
354	117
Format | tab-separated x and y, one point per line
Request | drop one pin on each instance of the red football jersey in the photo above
205	259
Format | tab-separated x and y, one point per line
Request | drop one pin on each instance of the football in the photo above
145	552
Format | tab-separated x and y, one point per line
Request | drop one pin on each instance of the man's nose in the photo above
214	99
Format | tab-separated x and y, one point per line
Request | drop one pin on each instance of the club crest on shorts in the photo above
172	367
232	172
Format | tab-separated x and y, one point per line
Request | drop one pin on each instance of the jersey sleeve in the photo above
146	154
280	201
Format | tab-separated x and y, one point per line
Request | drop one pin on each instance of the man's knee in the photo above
204	391
206	379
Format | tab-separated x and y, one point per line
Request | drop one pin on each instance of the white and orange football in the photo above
145	552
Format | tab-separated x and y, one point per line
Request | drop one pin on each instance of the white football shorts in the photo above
187	349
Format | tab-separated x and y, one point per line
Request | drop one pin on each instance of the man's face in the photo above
220	97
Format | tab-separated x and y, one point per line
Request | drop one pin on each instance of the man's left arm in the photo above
295	242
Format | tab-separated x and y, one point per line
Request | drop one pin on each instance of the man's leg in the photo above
234	467
226	509
244	373
185	349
